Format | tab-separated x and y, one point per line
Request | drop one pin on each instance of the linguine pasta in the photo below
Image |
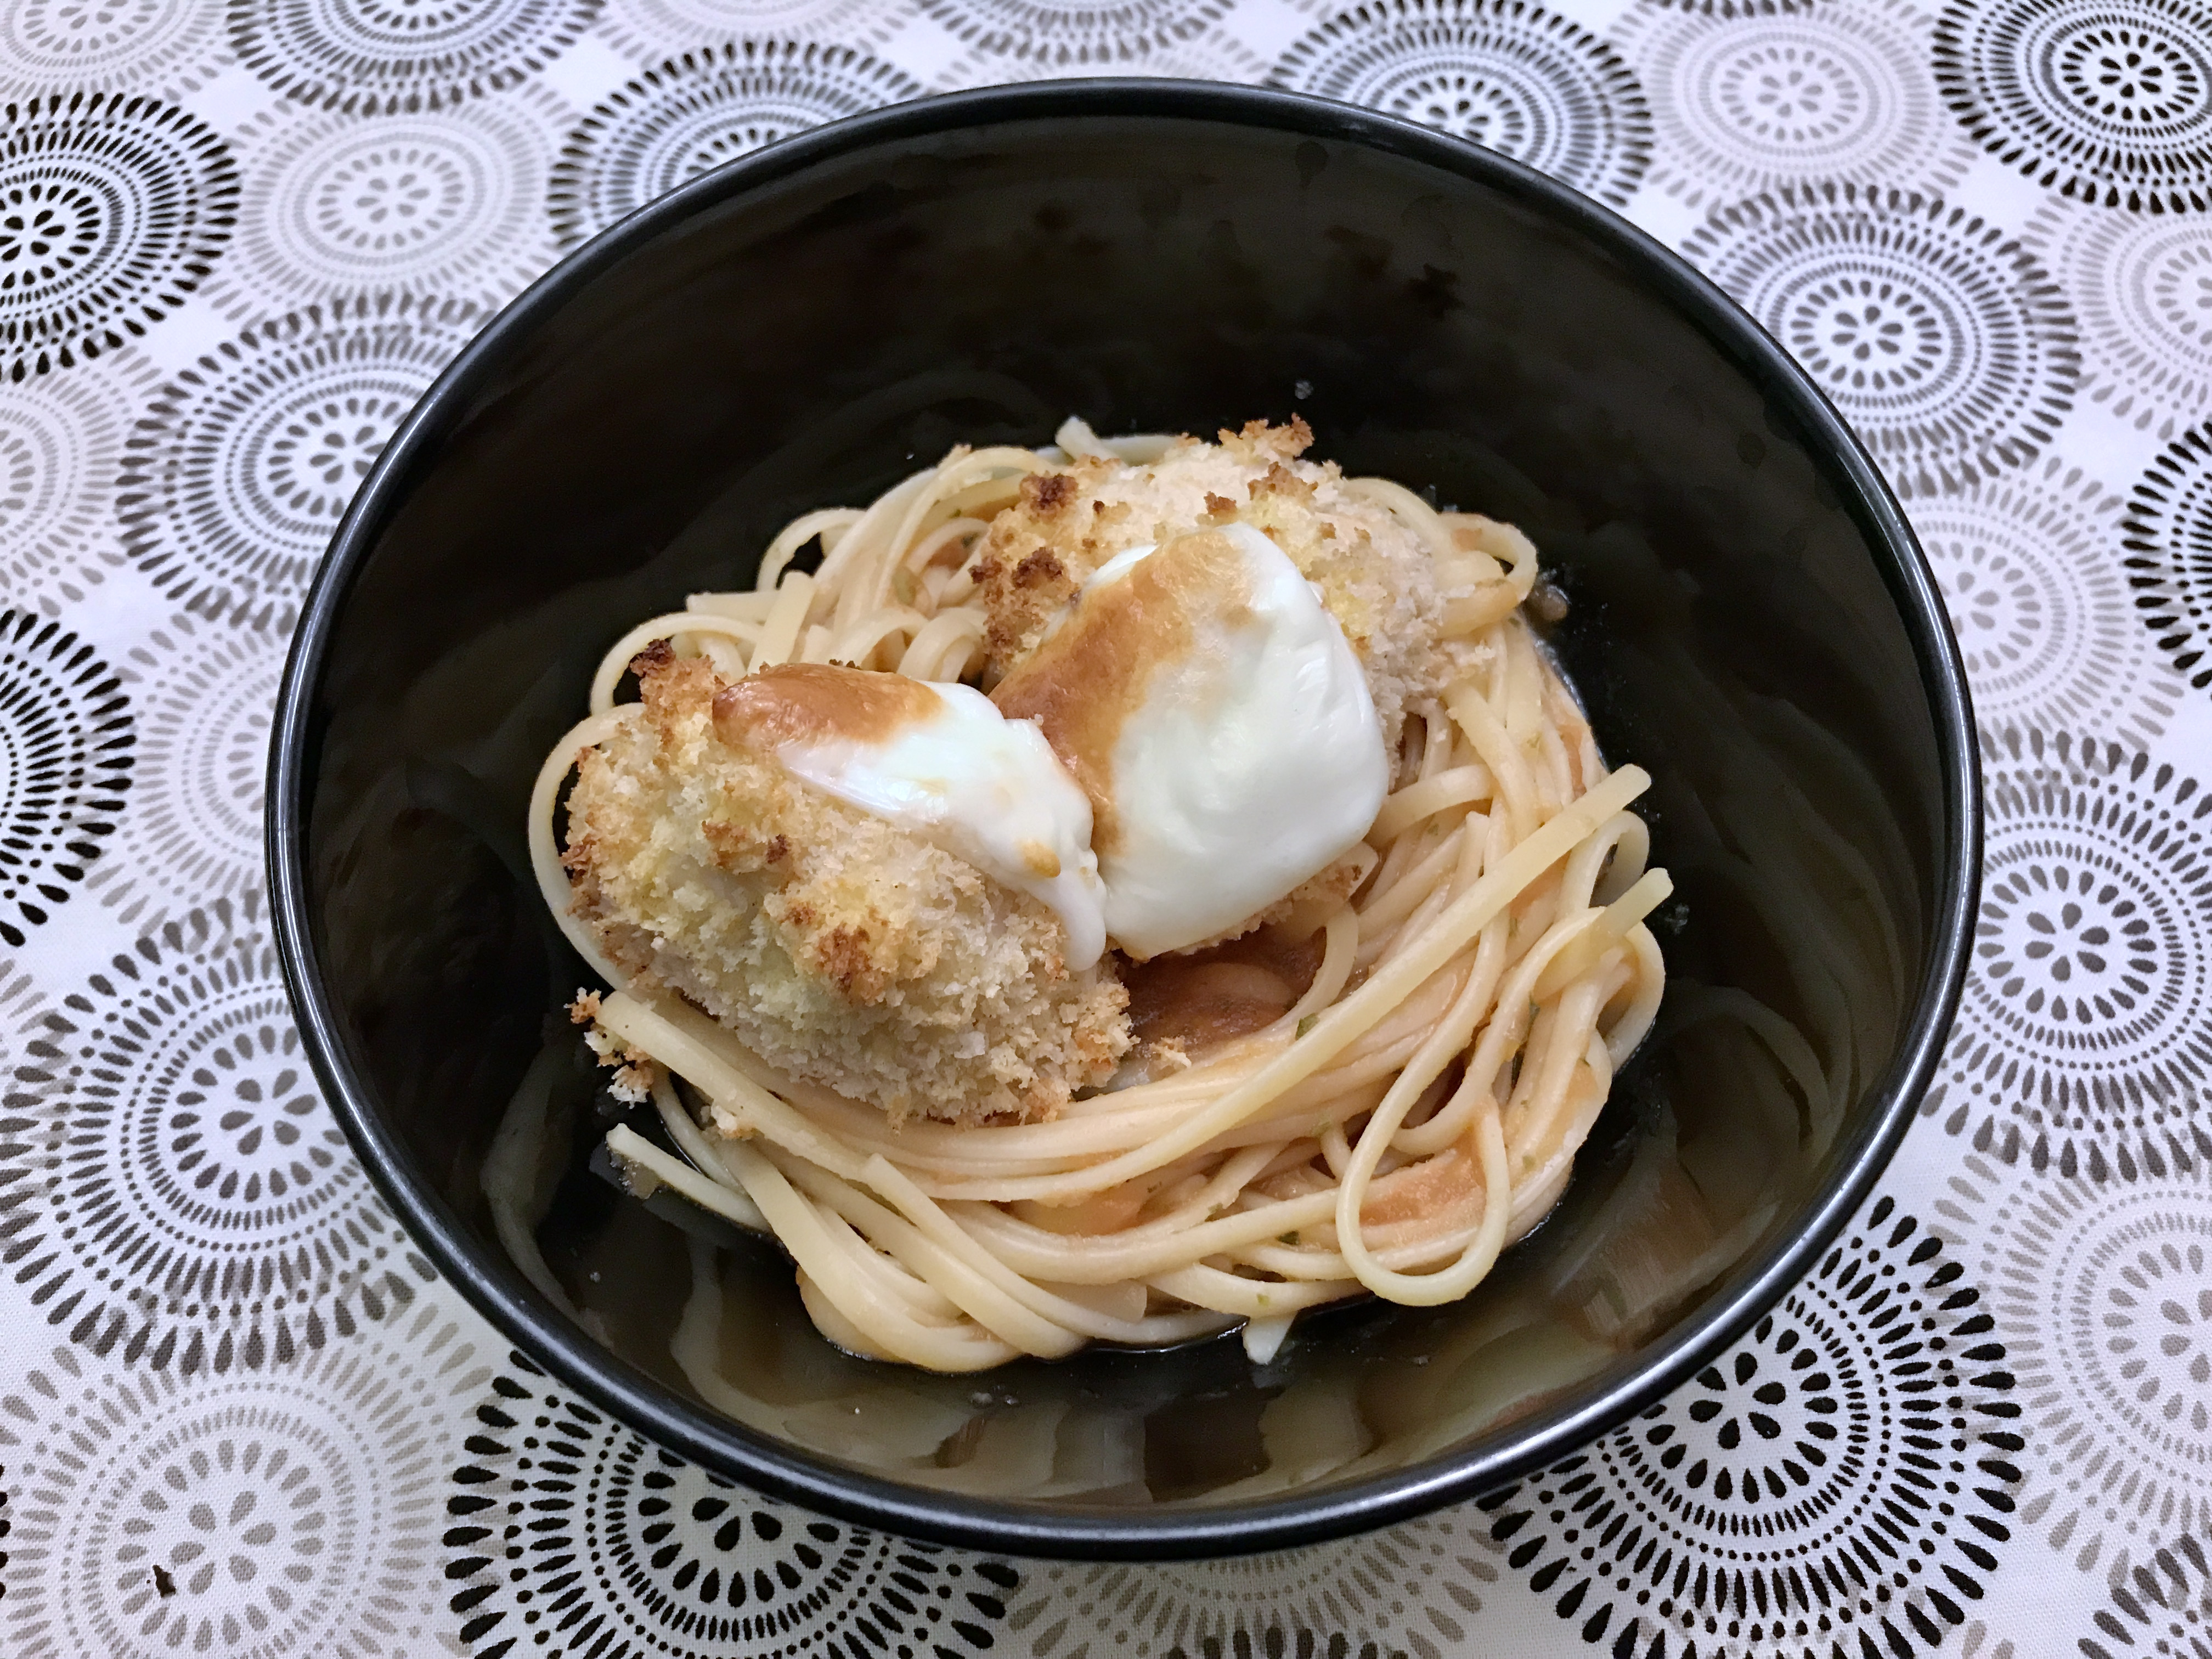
1416	1109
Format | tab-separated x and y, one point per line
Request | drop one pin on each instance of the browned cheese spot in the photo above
809	702
1083	683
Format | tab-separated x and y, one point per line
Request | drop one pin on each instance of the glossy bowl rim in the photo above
1100	1532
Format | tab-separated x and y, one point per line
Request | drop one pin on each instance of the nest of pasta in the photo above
974	1146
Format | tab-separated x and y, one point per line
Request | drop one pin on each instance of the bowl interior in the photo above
808	332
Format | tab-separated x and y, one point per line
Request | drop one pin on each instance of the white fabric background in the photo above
239	1415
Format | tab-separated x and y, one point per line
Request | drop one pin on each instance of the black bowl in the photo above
1749	618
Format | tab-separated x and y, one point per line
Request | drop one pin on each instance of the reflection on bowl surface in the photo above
1747	620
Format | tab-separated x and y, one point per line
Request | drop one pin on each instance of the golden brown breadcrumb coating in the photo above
1373	574
844	951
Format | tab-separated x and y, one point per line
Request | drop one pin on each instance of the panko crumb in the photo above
841	950
1373	574
634	1073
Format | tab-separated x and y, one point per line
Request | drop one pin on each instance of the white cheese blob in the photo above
985	788
1223	726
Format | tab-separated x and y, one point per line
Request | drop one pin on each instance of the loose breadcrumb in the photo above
1374	574
839	949
634	1073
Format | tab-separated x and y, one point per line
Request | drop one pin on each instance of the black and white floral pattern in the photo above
1851	1471
1950	348
238	1415
1108	36
674	121
240	466
202	694
450	204
156	1512
1748	102
2084	1041
390	56
176	1193
1417	1589
1215	55
167	48
67	754
111	209
2105	1292
2169	552
2163	1607
2144	287
1504	74
568	1533
651	31
2045	619
61	436
2107	101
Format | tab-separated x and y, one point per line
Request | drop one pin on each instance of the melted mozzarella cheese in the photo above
986	789
1214	712
1253	762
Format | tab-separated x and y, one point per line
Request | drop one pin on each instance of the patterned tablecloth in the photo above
238	1412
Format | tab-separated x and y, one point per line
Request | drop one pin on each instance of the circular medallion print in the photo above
2169	558
203	696
175	1173
2044	617
2084	1039
1734	8
167	46
552	1504
1411	1589
21	1003
240	471
1842	1482
397	57
1504	74
1217	55
1099	34
1746	104
2107	1292
448	203
2144	289
60	438
2162	1608
111	209
66	760
651	30
696	112
2109	101
293	1510
1950	350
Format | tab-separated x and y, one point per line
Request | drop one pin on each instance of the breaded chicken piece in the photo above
1374	574
839	948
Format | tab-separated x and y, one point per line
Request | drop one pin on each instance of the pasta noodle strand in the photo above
1415	1110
